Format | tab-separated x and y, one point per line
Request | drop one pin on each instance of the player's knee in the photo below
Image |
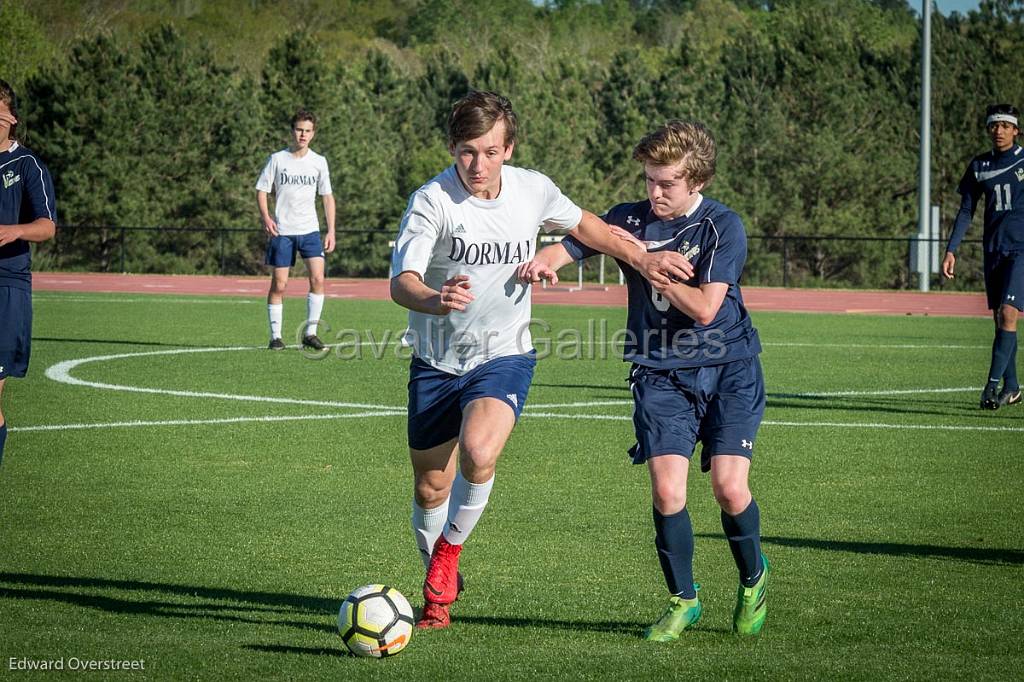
1007	318
479	453
431	491
732	496
668	498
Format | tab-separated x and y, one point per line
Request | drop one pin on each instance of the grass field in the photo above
201	504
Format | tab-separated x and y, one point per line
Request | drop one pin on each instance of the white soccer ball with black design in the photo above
375	620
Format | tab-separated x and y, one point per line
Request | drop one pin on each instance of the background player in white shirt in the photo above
463	235
296	175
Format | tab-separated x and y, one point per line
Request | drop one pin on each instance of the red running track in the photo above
756	298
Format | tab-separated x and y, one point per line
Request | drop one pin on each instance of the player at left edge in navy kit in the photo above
28	213
695	373
998	175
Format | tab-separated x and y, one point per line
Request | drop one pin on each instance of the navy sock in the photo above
673	536
1010	382
1002	348
3	439
744	534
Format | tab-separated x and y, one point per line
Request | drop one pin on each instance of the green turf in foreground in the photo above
222	550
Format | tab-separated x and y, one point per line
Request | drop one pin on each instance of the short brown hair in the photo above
476	113
304	115
687	142
8	97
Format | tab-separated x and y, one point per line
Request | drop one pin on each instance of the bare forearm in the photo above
596	234
409	291
701	304
261	201
554	256
329	211
39	230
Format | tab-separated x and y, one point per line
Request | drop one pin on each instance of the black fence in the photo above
777	260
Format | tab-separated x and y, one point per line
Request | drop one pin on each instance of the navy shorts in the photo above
1004	279
674	409
437	398
15	331
282	248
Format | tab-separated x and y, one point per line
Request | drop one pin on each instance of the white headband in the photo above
1006	118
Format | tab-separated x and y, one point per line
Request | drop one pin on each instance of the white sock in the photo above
314	306
427	525
276	313
467	504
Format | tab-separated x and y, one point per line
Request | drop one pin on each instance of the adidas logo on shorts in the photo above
514	398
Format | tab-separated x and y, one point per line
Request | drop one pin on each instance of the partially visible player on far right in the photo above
998	175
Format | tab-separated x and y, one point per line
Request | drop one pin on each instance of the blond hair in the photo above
689	143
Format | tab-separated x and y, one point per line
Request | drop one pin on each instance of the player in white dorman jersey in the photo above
296	176
463	235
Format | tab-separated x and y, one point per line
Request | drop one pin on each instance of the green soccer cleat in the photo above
679	615
752	604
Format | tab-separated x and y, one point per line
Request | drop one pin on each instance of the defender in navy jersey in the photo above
695	372
998	176
28	213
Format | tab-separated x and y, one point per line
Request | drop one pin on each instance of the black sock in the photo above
3	439
673	536
1010	382
744	534
1002	348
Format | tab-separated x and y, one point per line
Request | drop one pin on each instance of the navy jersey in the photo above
26	194
999	176
713	239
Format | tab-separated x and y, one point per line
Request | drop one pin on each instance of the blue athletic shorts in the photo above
437	398
674	409
1004	279
282	248
15	331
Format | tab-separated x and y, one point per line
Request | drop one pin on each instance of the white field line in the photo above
61	373
542	415
202	422
842	425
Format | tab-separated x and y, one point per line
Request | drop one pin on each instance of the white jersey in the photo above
295	182
446	231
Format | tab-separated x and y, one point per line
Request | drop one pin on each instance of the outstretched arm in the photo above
544	265
660	267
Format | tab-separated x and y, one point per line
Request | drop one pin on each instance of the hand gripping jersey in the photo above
446	231
713	239
295	182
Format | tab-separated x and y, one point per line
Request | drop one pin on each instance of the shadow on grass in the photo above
611	627
236	606
181	601
307	650
979	555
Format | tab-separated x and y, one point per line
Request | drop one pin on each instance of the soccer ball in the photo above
375	620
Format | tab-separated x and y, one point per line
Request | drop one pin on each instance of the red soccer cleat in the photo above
442	583
434	617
